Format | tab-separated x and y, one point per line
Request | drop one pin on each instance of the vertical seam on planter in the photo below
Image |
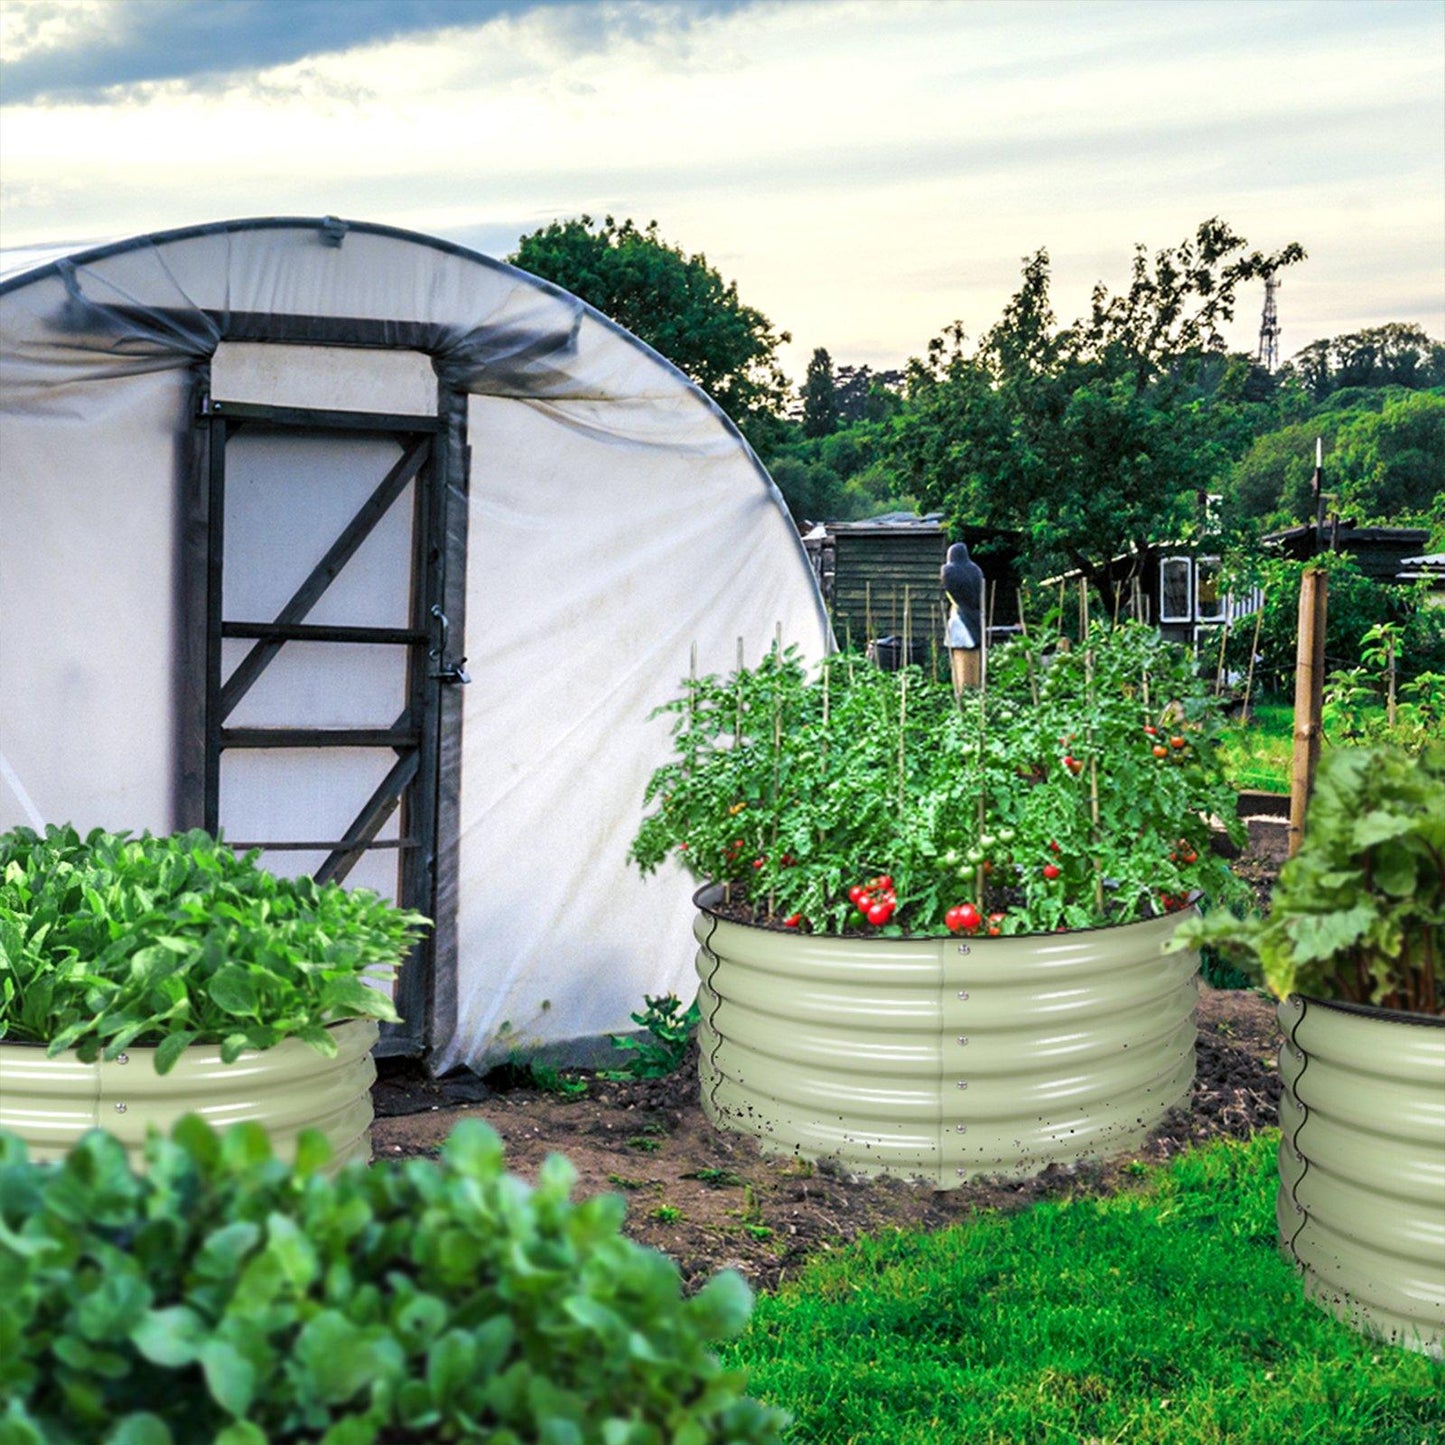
712	1016
1299	1209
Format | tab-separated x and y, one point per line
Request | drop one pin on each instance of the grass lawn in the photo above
1257	754
1164	1315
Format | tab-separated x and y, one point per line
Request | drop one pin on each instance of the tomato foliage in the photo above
1041	800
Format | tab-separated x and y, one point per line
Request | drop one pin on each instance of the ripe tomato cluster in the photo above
966	918
1178	744
875	899
1173	902
1183	852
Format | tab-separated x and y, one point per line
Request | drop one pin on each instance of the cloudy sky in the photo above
867	171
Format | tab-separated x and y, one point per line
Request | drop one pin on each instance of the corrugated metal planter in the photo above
939	1058
50	1103
1361	1204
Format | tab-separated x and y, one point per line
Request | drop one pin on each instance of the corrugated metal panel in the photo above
1361	1204
941	1059
50	1103
875	577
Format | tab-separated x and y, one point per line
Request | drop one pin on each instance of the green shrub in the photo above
224	1295
108	941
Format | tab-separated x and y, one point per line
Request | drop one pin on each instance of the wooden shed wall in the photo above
874	576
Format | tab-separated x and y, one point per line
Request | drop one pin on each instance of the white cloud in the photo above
866	171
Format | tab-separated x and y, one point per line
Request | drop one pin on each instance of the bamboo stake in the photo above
1390	664
1028	652
902	754
1083	611
1094	785
980	877
1308	697
1219	669
868	613
777	779
1253	652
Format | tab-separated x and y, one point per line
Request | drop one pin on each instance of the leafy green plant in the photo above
1077	791
1358	914
668	1028
666	1214
222	1295
108	941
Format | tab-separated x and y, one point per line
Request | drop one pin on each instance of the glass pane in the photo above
1174	575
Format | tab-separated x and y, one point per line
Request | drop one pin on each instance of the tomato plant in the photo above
1056	799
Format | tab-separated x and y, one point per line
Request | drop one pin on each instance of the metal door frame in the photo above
430	726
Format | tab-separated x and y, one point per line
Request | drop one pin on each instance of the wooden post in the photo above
1308	697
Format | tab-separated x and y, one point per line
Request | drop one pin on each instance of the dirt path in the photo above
713	1200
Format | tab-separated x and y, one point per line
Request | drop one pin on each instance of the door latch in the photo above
456	672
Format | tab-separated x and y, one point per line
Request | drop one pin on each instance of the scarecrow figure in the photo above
963	581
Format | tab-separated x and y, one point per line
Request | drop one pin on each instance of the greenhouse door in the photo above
327	647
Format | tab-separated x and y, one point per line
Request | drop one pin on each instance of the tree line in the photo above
1086	437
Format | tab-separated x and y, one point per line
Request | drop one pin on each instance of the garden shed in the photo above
377	554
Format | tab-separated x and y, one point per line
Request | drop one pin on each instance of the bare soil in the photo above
713	1200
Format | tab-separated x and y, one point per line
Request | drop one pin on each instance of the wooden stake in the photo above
1028	652
1253	651
1390	665
1094	786
1308	697
1219	670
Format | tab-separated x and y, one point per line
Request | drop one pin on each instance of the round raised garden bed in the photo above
940	1058
1361	1206
50	1103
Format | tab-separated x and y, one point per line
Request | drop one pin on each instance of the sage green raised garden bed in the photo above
941	1058
51	1102
1362	1165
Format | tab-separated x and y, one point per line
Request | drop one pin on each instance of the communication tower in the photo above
1268	354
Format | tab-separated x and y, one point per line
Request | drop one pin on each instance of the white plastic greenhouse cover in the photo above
615	519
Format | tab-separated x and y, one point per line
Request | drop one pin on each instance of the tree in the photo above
1098	436
676	303
820	396
1391	462
1396	354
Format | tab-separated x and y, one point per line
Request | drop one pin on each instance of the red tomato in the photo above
1152	731
995	924
793	920
969	917
1177	742
880	913
758	862
1160	751
884	881
951	920
855	893
1051	871
1054	844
